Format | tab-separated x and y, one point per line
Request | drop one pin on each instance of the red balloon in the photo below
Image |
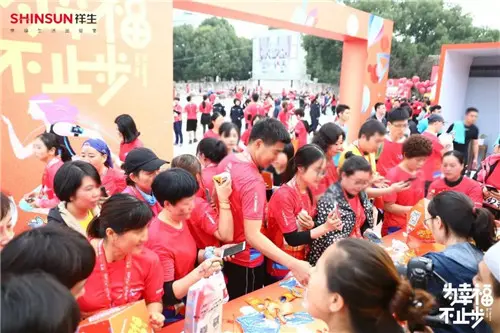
421	90
409	84
404	79
415	79
429	89
427	83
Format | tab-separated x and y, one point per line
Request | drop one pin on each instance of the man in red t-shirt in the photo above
248	205
391	151
432	167
416	150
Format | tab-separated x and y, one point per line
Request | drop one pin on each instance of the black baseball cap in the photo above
434	118
142	159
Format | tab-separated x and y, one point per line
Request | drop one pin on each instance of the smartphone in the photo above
268	179
409	180
231	251
372	236
491	188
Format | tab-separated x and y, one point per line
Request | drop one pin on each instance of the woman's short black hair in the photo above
37	303
354	163
455	153
51	142
328	135
126	126
4	205
121	212
69	178
188	162
213	149
270	131
289	151
213	118
226	127
61	252
173	185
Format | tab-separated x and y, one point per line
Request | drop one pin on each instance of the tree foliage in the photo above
213	49
420	29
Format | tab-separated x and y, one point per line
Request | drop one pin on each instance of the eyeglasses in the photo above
426	222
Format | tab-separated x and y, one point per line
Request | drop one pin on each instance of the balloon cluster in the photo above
405	83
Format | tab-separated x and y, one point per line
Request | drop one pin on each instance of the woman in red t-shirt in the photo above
97	153
171	239
283	116
246	135
230	135
205	109
129	135
141	167
125	271
47	150
179	140
330	138
192	121
210	223
454	180
300	129
210	152
292	208
213	128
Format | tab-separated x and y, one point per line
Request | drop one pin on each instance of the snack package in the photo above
127	318
415	223
204	306
222	177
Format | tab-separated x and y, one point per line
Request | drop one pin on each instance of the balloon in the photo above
390	82
427	83
409	84
429	89
421	90
404	79
415	79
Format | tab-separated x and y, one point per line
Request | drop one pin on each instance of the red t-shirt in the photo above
239	95
467	186
212	98
432	167
190	109
359	212
178	113
156	208
207	109
248	201
283	117
114	181
176	249
145	283
331	177
203	223
285	204
48	176
388	106
392	155
301	133
246	136
409	197
211	134
267	107
251	111
207	175
290	108
125	148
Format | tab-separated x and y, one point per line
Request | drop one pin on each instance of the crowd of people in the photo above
128	227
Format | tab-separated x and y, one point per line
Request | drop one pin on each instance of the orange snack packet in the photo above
415	226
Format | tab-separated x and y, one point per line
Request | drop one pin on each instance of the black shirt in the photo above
276	180
471	133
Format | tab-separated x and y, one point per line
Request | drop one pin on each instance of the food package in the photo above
129	318
204	306
415	226
222	177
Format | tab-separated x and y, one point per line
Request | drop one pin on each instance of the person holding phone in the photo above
348	200
416	150
292	209
170	238
207	226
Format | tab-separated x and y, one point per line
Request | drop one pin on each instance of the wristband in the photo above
209	252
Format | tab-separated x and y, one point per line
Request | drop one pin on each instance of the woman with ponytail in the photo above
209	152
125	271
355	288
292	208
466	232
213	127
97	153
206	110
47	149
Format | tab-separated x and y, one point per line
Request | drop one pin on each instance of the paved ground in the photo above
187	148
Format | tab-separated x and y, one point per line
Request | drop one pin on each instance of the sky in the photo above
484	13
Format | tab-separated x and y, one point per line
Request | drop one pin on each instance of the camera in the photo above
419	271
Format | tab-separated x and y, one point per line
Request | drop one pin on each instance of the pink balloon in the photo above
409	84
421	90
429	89
427	83
404	79
415	79
390	82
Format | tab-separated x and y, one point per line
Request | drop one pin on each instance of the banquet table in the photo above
232	309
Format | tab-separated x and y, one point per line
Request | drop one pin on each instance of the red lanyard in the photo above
103	266
307	207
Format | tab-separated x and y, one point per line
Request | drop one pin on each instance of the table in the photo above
231	310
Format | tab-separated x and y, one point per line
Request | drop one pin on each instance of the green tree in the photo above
213	49
420	29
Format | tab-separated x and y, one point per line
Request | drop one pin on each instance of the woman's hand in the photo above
400	186
209	267
487	193
305	221
156	320
333	222
379	181
29	196
220	251
224	190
